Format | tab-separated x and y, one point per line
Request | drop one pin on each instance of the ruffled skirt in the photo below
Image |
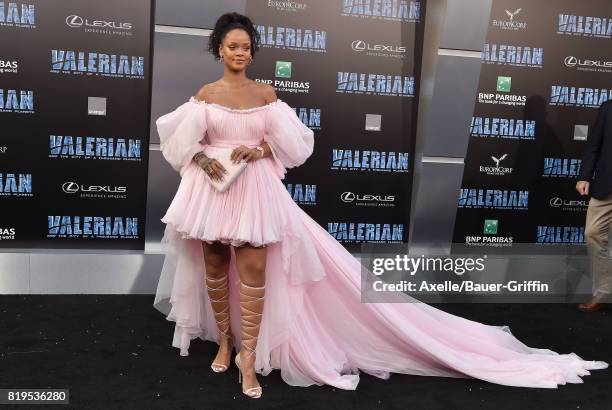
314	327
248	211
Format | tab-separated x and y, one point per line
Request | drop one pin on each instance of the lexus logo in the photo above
347	197
358	45
571	61
351	197
74	21
70	187
556	202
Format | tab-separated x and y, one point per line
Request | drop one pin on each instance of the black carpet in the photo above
113	352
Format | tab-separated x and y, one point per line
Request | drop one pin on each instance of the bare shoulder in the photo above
205	91
268	92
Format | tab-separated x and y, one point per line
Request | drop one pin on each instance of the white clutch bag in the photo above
233	171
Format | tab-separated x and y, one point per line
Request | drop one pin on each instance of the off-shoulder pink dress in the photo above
314	327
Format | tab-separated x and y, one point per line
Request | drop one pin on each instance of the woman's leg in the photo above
251	264
216	259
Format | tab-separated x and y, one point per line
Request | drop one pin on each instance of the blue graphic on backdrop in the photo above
98	227
399	10
345	159
108	65
310	117
561	167
560	234
11	15
493	199
375	84
299	39
503	128
21	101
66	146
15	184
579	96
513	55
303	194
366	232
584	25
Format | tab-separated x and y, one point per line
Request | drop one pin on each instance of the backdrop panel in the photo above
546	69
350	70
75	86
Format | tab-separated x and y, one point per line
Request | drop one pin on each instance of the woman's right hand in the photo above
213	168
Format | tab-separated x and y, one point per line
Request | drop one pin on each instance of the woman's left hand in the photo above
244	153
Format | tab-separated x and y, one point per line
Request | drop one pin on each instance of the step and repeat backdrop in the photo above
75	86
546	69
350	69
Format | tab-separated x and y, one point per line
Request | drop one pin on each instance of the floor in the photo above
113	352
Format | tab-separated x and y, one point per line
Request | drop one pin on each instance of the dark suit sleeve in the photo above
593	148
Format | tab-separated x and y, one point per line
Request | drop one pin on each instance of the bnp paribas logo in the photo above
504	84
490	226
283	69
502	95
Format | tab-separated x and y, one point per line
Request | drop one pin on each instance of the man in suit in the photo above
595	179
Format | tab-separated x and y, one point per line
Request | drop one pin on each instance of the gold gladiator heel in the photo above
251	307
218	292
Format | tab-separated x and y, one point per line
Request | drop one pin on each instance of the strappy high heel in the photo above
185	342
218	293
250	317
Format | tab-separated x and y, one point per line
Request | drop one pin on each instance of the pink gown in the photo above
314	327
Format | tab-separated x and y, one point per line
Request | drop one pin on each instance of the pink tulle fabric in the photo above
314	327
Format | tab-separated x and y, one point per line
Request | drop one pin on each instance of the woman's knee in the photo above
216	256
253	266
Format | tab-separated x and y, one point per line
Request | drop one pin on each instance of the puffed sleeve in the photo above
182	133
290	140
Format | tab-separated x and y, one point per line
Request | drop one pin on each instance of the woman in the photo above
248	268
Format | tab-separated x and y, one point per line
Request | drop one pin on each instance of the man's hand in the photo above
583	187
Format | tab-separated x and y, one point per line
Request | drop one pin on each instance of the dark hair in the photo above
230	21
